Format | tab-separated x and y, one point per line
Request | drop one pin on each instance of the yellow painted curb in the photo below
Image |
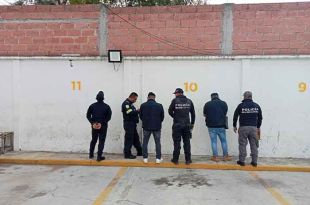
126	163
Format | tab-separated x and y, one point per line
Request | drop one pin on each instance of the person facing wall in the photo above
98	114
215	112
152	116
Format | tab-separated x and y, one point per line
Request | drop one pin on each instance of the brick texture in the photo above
258	29
271	29
49	30
161	31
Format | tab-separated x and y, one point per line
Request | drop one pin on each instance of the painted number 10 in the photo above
76	85
191	86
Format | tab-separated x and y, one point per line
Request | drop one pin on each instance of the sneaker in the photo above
130	157
254	164
91	156
158	161
174	161
241	163
100	158
145	160
188	162
227	158
215	159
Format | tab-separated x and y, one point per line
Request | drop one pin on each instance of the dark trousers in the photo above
101	134
181	132
131	138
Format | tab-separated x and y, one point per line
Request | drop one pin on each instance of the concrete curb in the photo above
125	163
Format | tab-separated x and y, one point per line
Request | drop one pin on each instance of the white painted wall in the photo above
38	103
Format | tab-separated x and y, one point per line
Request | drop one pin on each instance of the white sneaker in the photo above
158	161
145	160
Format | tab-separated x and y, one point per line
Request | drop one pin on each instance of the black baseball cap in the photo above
178	90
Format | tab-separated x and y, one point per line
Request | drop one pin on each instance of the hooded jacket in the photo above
99	112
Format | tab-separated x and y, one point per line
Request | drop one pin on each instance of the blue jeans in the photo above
214	132
146	137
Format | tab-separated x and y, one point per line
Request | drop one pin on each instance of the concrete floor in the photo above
26	184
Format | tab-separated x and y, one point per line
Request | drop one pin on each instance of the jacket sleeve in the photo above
193	115
89	114
259	117
205	110
162	113
141	111
171	109
109	114
127	109
225	108
236	115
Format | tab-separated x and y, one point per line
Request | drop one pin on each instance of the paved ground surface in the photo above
83	185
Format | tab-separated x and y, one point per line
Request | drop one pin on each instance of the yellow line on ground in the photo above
106	192
274	192
137	163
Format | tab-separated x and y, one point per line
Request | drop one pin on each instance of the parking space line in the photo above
107	190
274	192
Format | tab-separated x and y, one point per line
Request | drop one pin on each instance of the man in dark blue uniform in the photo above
179	110
98	114
130	119
250	121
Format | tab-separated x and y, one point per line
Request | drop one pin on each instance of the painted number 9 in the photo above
192	86
302	87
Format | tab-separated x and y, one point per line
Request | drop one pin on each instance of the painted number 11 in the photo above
76	85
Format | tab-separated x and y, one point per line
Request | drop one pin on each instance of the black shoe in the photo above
241	163
254	164
100	159
188	162
174	161
91	156
130	157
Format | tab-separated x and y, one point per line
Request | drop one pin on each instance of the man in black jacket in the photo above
215	113
130	119
98	114
250	120
179	110
152	116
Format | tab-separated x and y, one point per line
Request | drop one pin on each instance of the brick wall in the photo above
259	29
197	27
49	30
271	29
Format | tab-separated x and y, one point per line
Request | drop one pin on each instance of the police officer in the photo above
130	120
179	110
98	114
250	120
